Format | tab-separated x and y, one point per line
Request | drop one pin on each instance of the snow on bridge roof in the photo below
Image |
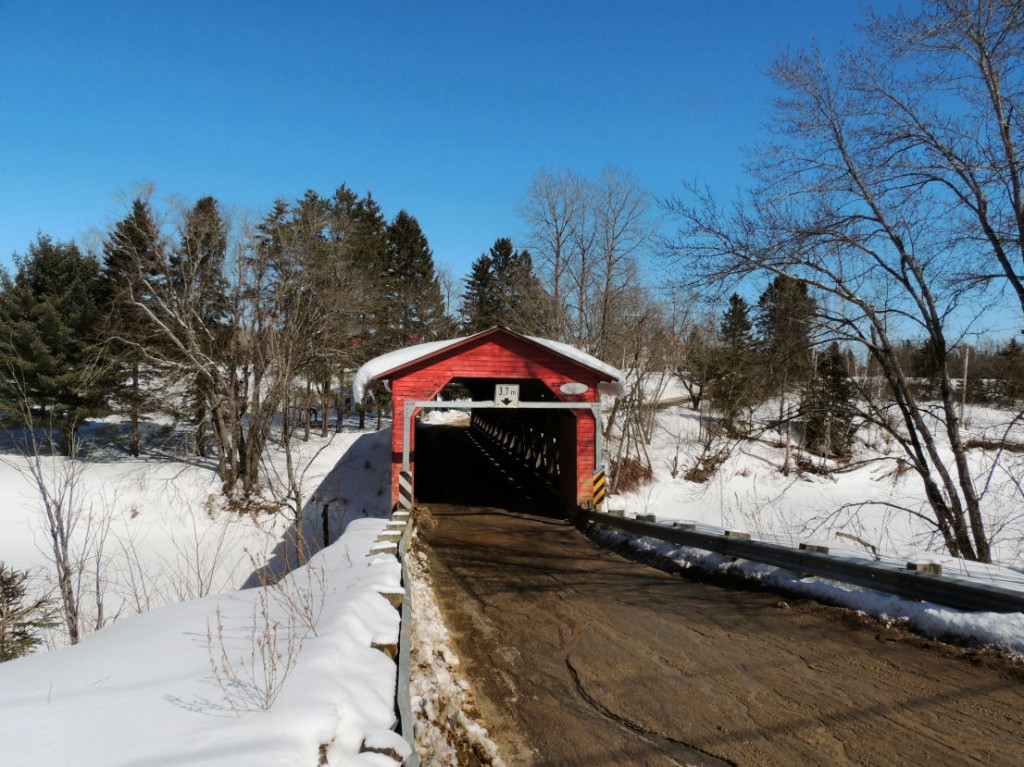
378	367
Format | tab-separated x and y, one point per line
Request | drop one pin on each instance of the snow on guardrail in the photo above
910	580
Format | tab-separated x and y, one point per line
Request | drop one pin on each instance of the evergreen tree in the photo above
736	387
130	258
481	301
346	280
198	263
49	312
523	306
412	309
20	620
1010	372
366	244
828	407
360	224
737	334
926	364
502	289
785	313
196	272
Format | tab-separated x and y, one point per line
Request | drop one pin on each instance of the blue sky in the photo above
446	109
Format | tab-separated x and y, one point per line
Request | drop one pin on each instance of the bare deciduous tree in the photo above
588	237
946	86
622	229
553	208
75	536
893	174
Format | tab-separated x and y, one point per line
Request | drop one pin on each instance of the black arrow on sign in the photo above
506	402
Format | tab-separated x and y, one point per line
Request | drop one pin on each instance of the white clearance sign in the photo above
506	395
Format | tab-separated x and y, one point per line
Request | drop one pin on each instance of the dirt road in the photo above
580	657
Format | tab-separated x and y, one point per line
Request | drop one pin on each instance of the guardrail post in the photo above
402	691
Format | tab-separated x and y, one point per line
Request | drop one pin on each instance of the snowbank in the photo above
187	683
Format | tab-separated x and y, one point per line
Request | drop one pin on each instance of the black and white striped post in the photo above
405	490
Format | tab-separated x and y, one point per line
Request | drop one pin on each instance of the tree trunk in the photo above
199	448
307	411
325	407
133	414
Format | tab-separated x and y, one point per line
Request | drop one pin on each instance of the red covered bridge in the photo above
542	397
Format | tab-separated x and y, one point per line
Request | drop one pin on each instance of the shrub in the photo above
20	620
630	474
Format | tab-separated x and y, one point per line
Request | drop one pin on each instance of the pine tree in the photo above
198	264
366	243
130	258
737	329
481	301
502	289
49	315
523	302
736	388
352	277
20	620
785	313
828	407
926	364
1010	369
196	272
412	310
358	223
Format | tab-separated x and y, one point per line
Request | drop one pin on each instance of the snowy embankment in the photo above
286	674
191	683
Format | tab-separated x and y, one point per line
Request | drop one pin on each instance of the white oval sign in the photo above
574	387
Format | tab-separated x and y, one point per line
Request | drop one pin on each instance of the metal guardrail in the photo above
947	590
402	693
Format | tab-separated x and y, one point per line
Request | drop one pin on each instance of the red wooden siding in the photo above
500	357
585	428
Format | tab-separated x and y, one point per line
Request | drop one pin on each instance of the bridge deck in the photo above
579	656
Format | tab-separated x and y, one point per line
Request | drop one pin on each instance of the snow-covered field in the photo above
863	499
154	530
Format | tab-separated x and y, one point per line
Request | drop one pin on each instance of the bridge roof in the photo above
393	364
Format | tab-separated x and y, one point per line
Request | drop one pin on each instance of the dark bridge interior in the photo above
468	466
514	458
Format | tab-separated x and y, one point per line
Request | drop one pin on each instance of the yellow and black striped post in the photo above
599	487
